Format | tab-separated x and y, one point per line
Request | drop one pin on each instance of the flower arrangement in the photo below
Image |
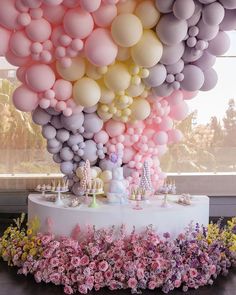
137	261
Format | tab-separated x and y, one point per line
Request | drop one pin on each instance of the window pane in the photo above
210	129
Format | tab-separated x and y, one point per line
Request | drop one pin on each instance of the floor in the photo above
13	284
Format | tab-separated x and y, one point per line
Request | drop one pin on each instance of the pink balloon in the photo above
20	44
56	34
24	99
36	34
160	138
128	155
114	128
166	124
189	95
52	2
90	5
63	89
105	14
175	98
40	77
101	137
78	23
5	38
174	136
16	60
20	74
100	49
54	14
32	3
8	14
179	111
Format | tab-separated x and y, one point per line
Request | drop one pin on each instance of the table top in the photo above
154	204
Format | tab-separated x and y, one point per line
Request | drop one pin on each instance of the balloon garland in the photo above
107	79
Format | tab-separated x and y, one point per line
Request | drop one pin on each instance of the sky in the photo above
210	103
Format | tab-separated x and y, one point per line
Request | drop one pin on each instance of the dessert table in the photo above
173	219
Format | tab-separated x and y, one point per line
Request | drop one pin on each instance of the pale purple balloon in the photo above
90	110
88	135
229	21
211	79
63	135
170	78
52	112
57	158
193	20
179	77
90	151
193	31
164	6
77	190
191	54
201	45
220	44
183	9
207	32
213	14
66	154
107	164
74	122
206	1
157	76
40	116
67	167
206	61
48	131
228	4
54	150
53	143
56	122
171	30
191	42
175	68
193	78
172	54
75	139
92	123
163	90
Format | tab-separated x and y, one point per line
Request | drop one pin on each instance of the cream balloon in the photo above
135	90
86	92
79	172
123	54
148	14
91	71
117	77
148	51
106	176
107	95
105	116
140	109
94	173
127	6
126	30
73	73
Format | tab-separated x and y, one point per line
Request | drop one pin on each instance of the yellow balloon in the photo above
126	7
148	14
92	72
86	92
126	29
79	172
117	77
148	52
107	95
75	72
135	90
105	116
140	109
123	54
106	176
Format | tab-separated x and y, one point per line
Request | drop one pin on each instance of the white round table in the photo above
173	219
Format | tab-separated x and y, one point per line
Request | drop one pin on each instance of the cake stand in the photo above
94	203
59	201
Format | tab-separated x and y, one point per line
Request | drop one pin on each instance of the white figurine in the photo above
117	187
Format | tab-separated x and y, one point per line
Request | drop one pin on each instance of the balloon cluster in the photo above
107	79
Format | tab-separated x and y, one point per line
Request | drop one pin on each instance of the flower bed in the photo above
104	258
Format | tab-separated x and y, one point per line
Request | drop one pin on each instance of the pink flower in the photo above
98	277
75	261
55	278
108	275
47	253
193	272
54	262
68	290
38	276
61	269
92	265
84	260
138	251
140	273
83	289
132	283
152	285
185	278
94	251
213	269
103	265
177	283
155	265
46	239
90	281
